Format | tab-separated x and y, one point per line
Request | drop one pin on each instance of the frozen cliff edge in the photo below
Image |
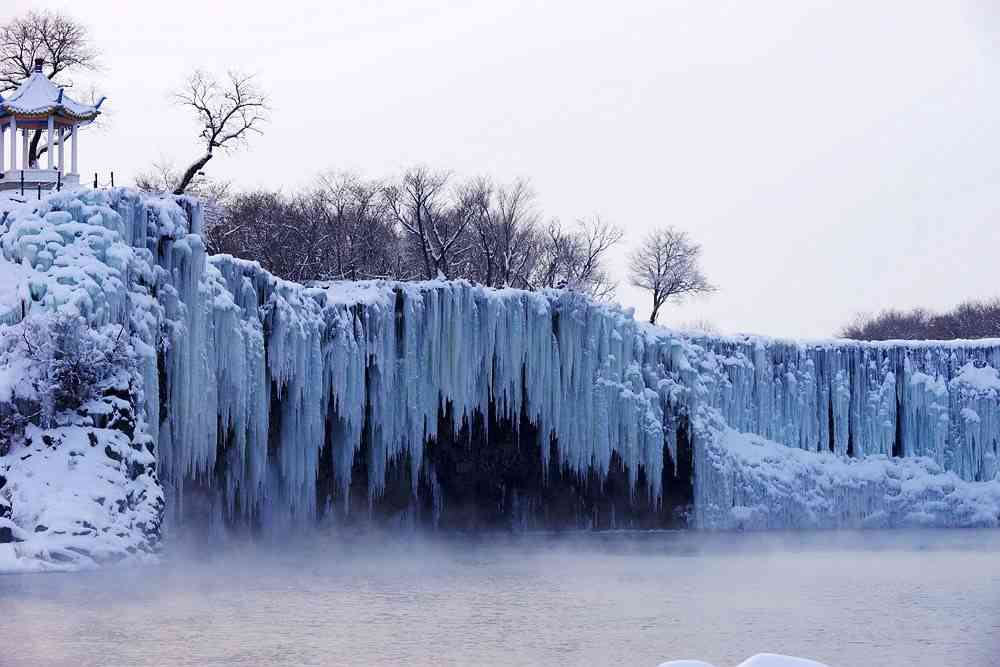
78	481
745	482
268	404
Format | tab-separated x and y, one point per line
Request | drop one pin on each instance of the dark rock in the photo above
7	535
112	454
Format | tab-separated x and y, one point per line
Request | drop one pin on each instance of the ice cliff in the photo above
268	404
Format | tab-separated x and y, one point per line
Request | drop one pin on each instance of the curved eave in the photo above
43	114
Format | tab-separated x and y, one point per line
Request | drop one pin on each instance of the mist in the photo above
551	598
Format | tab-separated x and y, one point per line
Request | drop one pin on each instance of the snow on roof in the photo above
38	95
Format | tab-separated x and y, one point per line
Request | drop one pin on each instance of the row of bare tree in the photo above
972	319
422	225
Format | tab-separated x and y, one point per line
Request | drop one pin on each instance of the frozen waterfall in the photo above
280	402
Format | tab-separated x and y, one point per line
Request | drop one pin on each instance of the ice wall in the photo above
747	482
260	393
288	370
900	398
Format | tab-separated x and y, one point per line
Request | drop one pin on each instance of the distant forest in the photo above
972	319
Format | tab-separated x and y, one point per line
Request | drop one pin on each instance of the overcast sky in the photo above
830	157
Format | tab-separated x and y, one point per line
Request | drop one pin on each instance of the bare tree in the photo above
348	228
360	228
335	195
228	113
971	319
59	40
504	225
162	177
286	235
701	327
575	258
72	360
434	228
667	263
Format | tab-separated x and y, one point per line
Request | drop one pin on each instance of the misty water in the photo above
616	598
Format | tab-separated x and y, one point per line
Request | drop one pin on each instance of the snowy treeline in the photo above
418	226
972	319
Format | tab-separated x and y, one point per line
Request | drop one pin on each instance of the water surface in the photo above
619	598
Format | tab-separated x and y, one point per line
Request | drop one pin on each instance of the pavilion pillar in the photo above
3	135
51	147
73	153
13	143
25	163
62	152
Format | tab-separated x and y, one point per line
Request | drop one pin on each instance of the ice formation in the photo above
747	482
270	397
901	398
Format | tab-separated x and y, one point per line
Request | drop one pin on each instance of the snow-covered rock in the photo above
759	660
747	482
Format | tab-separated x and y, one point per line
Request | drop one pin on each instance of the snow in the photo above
759	660
38	95
774	660
748	482
980	378
74	506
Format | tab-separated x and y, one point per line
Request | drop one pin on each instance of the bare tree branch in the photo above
667	263
227	112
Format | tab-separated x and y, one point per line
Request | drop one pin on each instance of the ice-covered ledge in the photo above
49	179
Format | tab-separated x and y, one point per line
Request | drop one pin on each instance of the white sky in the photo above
831	159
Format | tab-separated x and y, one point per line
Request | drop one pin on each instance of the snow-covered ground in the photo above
759	660
748	482
79	496
78	485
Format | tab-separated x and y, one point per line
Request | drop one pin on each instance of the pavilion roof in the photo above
38	96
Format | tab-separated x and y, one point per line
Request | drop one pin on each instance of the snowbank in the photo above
759	660
79	496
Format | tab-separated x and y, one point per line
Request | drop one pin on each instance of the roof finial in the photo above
38	64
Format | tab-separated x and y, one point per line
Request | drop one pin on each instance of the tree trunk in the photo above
656	311
191	172
33	153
